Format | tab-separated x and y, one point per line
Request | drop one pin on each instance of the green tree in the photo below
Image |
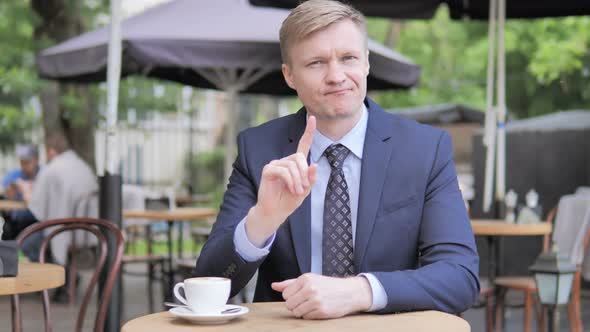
17	78
26	28
547	62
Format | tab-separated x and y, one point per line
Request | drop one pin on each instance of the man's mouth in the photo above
338	92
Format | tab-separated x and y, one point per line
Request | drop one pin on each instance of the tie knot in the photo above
336	154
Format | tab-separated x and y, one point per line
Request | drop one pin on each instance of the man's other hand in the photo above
313	296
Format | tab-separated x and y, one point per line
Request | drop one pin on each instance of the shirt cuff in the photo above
379	294
244	247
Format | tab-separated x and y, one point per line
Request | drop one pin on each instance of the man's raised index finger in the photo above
307	137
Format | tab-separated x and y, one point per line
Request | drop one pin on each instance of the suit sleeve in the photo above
447	276
219	256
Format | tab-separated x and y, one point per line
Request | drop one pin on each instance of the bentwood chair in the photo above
99	228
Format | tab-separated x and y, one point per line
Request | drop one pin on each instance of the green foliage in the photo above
14	124
18	80
547	63
207	168
144	95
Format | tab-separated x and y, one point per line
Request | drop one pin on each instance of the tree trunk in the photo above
60	20
393	33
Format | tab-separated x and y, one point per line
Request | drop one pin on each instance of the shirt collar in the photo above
354	140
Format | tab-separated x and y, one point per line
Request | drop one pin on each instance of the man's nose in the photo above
335	74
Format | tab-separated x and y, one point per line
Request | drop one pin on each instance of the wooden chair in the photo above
528	286
100	229
155	263
487	293
86	206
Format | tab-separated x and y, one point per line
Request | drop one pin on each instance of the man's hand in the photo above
313	296
25	188
284	185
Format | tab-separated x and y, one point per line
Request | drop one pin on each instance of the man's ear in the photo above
287	74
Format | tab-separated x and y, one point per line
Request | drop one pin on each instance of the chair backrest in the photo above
134	198
85	206
101	229
572	222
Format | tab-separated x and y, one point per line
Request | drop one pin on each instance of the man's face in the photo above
329	69
29	167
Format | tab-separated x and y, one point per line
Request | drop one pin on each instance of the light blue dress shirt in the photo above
354	140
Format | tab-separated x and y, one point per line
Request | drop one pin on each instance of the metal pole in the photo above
553	316
501	95
113	79
110	182
489	138
110	209
233	112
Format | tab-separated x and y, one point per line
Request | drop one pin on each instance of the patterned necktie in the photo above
337	255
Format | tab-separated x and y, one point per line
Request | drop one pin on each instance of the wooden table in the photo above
493	229
171	216
32	277
8	205
274	316
193	199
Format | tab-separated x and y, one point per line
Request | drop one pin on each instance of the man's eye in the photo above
315	63
349	58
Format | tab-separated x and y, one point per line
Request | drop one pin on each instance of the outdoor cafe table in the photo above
171	216
32	277
493	229
274	316
8	205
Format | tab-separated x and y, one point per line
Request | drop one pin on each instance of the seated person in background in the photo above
375	223
59	187
16	184
28	156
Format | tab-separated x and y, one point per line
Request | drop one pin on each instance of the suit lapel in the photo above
376	154
300	219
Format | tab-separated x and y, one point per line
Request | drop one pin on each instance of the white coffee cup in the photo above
204	295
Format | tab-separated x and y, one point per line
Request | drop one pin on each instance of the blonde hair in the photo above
315	15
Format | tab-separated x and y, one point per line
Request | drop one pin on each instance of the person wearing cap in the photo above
17	184
15	180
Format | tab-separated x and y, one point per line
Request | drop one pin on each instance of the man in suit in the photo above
342	207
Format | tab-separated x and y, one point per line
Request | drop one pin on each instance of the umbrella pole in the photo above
232	114
501	94
489	137
110	183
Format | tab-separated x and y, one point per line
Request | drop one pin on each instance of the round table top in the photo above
178	214
33	277
274	316
491	227
8	205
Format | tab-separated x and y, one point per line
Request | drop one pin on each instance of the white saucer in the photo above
188	315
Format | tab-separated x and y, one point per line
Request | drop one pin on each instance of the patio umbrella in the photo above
496	11
227	45
402	9
473	9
